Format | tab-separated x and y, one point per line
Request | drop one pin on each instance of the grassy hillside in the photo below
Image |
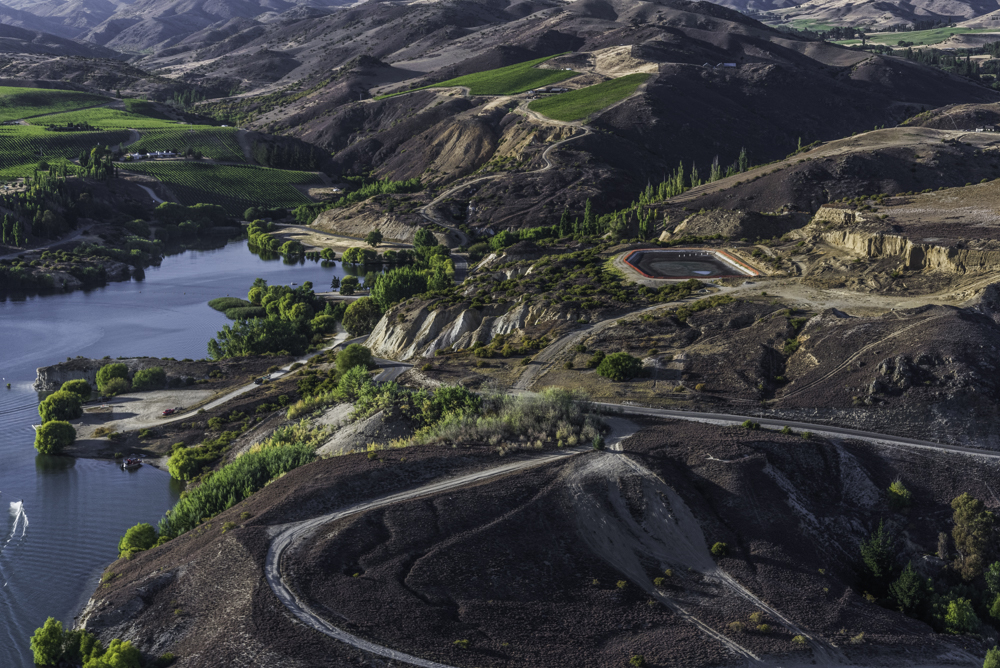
22	147
104	118
509	80
235	187
577	105
18	103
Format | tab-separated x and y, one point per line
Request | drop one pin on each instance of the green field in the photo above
509	80
234	187
18	103
577	105
918	37
23	146
214	143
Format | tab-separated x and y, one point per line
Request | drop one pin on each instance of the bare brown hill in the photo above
558	564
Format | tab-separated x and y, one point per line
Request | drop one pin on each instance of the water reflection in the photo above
53	464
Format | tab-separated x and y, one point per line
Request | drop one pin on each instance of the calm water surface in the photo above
77	509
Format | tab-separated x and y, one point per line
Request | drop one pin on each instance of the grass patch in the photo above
579	104
233	187
104	118
223	304
17	103
508	80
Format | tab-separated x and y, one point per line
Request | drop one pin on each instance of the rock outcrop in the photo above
403	333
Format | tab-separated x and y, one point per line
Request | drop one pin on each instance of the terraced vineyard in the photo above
214	143
104	118
234	187
508	80
18	103
23	146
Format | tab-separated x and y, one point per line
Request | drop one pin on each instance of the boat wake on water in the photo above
20	520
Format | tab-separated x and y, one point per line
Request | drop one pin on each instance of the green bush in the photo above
53	436
899	496
233	483
353	355
720	550
153	378
223	304
108	372
361	316
245	312
503	240
120	654
79	387
116	386
637	661
47	643
61	405
619	367
960	617
992	658
137	539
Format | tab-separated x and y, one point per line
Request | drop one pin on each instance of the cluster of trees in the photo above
288	155
47	202
292	319
260	240
965	596
178	221
98	164
619	367
431	270
12	231
307	213
260	213
56	410
52	646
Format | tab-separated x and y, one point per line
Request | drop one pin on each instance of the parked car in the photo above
169	411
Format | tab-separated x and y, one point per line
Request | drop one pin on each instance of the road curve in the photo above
301	530
818	429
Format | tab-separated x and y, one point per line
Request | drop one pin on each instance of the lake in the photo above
75	510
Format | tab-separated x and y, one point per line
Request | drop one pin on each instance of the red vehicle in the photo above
169	411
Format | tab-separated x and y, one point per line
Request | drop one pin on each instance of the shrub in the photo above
659	582
108	372
568	364
992	658
139	538
619	367
53	436
595	360
637	661
720	550
352	356
61	405
461	644
79	387
153	378
960	617
899	496
598	442
799	640
621	584
116	386
233	483
764	628
736	627
751	425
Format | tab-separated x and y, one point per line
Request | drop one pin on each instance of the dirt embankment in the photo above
518	568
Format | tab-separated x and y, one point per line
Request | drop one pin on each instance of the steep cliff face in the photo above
404	332
913	256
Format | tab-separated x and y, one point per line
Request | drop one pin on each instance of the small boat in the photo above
131	463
